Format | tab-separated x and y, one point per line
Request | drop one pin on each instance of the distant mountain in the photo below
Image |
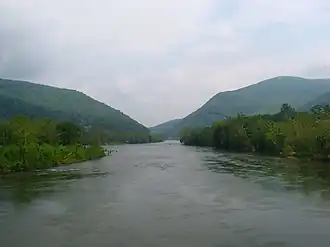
323	99
35	100
264	97
166	128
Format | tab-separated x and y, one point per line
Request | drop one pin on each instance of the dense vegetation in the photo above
287	133
265	97
36	101
322	100
35	144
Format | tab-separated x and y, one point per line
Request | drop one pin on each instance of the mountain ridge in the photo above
263	97
63	104
160	128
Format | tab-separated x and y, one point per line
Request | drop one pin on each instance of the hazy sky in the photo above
161	59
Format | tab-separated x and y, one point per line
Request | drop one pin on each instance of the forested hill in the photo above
12	107
166	127
322	100
35	100
288	133
261	98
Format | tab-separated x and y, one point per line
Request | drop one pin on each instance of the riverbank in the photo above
28	144
285	134
36	157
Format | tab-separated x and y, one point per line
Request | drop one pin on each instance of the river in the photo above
169	195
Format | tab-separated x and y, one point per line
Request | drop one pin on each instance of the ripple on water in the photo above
202	198
25	187
273	173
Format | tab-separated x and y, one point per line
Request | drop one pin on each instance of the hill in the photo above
166	128
10	107
35	100
323	99
264	97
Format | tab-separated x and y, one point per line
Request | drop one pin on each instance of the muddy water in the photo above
169	195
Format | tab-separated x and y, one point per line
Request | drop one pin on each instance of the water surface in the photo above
169	195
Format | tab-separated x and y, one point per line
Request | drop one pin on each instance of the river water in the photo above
169	195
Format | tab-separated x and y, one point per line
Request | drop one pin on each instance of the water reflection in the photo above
245	201
25	187
275	173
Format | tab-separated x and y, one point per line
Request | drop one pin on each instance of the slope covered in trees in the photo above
166	128
40	101
287	133
27	145
265	97
322	100
11	107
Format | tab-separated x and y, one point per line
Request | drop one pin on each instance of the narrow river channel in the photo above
169	195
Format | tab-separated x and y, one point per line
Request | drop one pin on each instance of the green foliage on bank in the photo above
265	97
27	145
20	98
287	133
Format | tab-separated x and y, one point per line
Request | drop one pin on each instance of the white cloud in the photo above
126	25
157	60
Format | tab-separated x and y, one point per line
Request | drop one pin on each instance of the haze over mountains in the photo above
162	128
264	97
168	57
40	101
323	99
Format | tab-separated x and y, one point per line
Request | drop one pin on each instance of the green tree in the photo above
68	133
5	133
26	145
287	133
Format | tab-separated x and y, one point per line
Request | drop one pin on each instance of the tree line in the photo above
287	133
106	136
27	144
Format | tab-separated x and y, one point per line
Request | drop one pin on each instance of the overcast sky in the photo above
156	60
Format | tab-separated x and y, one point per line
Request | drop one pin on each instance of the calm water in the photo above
169	195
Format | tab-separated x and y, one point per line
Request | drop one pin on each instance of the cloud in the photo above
20	56
158	60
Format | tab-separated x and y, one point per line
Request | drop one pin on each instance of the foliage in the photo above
198	136
68	133
265	97
154	138
35	144
287	133
18	98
